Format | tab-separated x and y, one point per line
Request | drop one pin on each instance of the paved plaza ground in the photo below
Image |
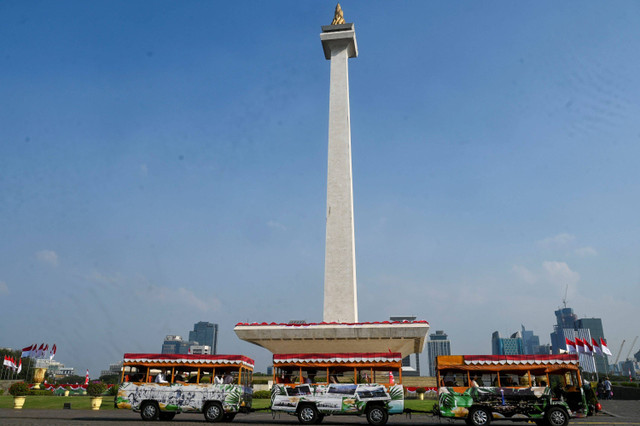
616	413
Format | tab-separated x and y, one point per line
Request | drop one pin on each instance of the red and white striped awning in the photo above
189	359
521	359
381	357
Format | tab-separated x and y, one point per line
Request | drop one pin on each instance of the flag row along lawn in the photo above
84	403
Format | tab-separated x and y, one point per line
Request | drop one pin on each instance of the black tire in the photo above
377	415
167	415
149	411
228	417
556	416
479	416
308	415
213	412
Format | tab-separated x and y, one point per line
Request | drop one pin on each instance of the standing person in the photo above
607	388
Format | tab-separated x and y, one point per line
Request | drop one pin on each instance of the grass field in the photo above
84	403
53	402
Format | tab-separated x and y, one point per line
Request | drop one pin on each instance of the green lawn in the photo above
53	402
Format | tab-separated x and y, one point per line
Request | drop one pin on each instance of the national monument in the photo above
340	330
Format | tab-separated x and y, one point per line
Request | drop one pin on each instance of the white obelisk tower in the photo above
340	291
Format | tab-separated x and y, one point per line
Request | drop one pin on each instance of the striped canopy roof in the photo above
521	359
381	357
189	359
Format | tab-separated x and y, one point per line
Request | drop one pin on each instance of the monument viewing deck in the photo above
405	337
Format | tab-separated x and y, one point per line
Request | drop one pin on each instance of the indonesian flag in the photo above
579	345
40	351
588	349
26	352
391	379
44	351
571	345
6	362
20	367
52	352
605	348
596	348
86	378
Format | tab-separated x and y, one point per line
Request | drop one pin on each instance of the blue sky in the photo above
163	163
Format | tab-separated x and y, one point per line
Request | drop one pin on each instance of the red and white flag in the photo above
86	379
52	352
20	367
579	345
571	345
605	348
7	361
596	348
588	349
26	352
40	351
391	379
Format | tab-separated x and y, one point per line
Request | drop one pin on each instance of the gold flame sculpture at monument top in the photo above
338	17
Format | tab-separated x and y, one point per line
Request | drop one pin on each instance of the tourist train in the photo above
545	389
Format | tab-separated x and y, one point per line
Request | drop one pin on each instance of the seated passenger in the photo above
228	379
160	378
218	380
474	383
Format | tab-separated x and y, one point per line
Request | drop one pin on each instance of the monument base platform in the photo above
406	337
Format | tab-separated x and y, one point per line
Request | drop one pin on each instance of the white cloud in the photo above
560	272
276	225
48	257
524	274
560	275
586	251
556	241
4	288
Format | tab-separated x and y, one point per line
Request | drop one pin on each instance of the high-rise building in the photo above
594	325
409	368
200	349
531	343
507	345
438	344
173	344
205	333
568	327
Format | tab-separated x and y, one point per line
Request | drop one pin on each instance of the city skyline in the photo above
155	171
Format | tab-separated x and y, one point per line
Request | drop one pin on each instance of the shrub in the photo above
262	394
19	389
205	380
1	392
113	390
421	390
260	381
96	388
